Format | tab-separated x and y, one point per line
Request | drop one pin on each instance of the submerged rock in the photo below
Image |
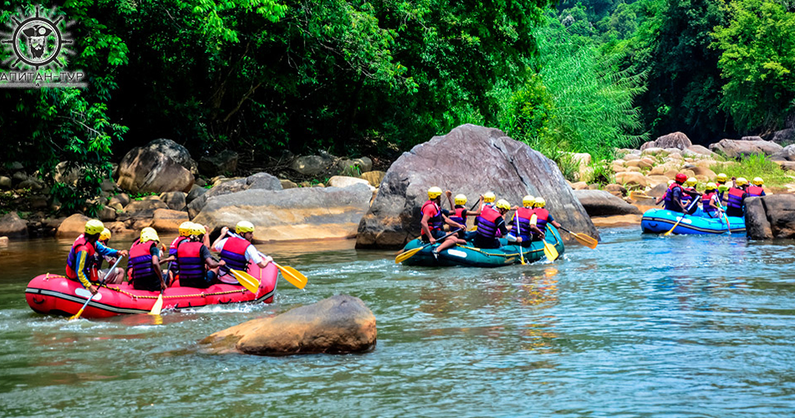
337	325
484	160
13	226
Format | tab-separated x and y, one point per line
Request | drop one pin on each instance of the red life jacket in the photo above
434	222
755	191
542	217
234	253
191	265
141	261
81	244
458	215
172	250
522	220
487	222
735	199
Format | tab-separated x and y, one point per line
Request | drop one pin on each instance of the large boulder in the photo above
771	216
176	152
167	220
340	324
283	215
72	226
143	170
674	140
784	136
13	226
602	203
259	181
738	148
487	161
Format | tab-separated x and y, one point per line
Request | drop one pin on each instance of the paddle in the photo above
550	251
680	218
80	312
158	306
583	239
726	217
293	276
410	253
521	252
246	280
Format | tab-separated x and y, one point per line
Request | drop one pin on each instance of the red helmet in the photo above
681	178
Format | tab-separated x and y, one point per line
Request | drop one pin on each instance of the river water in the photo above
641	326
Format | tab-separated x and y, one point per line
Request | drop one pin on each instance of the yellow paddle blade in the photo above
550	251
674	227
77	315
585	240
407	254
248	281
293	276
158	306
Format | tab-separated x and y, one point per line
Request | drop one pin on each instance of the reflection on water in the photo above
641	326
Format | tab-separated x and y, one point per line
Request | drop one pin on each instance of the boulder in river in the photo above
603	203
484	160
72	226
771	216
176	152
338	325
143	170
13	226
293	214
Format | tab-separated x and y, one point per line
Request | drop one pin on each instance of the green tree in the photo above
757	60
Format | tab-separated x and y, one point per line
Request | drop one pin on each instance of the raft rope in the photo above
557	240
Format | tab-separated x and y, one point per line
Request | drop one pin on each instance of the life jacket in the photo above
487	222
686	197
141	261
705	199
81	244
458	215
669	197
735	199
234	253
172	250
434	223
191	265
755	191
542	217
522	220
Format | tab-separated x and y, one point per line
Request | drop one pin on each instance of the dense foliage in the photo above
357	76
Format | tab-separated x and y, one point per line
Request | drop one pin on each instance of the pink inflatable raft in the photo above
56	295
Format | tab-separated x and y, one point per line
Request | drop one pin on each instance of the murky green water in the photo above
642	326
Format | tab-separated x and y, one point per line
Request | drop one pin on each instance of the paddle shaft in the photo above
105	279
685	213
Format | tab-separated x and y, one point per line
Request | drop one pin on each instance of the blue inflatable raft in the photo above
661	221
470	256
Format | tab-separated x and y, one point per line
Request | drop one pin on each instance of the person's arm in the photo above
450	199
218	240
257	257
159	273
504	230
553	221
425	229
81	258
452	223
108	252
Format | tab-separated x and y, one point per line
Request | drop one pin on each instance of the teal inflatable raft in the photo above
661	221
470	256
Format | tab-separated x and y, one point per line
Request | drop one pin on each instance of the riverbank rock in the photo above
340	324
739	148
258	181
674	140
225	162
143	170
488	161
12	225
770	217
167	220
72	226
176	152
293	214
602	203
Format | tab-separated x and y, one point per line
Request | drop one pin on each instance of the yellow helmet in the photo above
185	228
244	226
711	186
528	201
434	192
722	178
460	199
489	197
104	235
540	202
503	204
149	234
198	230
691	181
758	181
742	181
94	226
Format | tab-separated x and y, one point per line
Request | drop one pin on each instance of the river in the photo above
641	326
